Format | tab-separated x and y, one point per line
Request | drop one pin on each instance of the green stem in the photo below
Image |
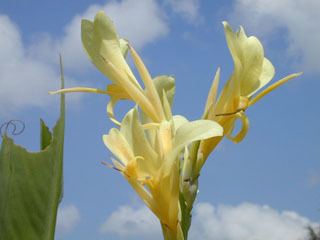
189	191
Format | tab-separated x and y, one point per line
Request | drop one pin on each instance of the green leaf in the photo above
31	184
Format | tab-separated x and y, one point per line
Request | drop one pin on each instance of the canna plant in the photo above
161	154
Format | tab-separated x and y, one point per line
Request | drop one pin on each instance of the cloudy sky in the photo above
267	187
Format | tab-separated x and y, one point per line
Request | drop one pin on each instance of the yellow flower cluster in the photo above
161	154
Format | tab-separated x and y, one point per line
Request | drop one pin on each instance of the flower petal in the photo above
151	91
166	83
118	145
100	40
79	89
248	57
211	100
266	75
133	131
110	110
273	87
196	130
243	131
178	121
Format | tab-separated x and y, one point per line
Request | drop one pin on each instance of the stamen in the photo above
110	166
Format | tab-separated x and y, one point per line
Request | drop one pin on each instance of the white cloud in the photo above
24	81
67	219
128	222
243	222
298	18
189	9
27	73
247	222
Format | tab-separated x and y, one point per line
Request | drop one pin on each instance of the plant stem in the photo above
189	190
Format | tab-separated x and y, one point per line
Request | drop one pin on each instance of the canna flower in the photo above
252	72
149	159
148	144
158	153
107	52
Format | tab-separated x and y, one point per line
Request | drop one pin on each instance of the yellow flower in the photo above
107	52
252	71
149	159
161	154
146	151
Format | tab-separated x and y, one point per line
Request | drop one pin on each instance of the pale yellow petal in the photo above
166	83
243	131
248	57
100	40
163	83
272	87
104	48
134	133
211	100
110	110
135	93
79	89
232	88
225	102
205	148
166	106
196	130
144	195
118	145
188	133
266	76
150	88
165	136
178	121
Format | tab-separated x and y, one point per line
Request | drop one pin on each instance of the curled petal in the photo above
243	131
110	110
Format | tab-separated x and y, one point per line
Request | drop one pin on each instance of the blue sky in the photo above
277	165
